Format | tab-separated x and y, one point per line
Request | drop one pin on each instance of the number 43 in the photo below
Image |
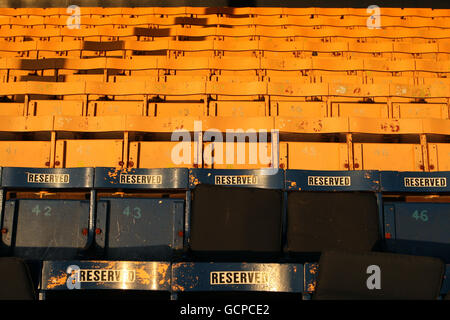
422	215
136	212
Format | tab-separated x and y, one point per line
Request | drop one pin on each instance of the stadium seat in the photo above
420	110
110	108
298	109
330	210
60	108
348	276
62	220
369	110
439	156
41	225
159	154
176	109
310	230
25	154
388	156
237	109
140	228
238	155
316	155
250	225
15	280
11	109
88	153
420	229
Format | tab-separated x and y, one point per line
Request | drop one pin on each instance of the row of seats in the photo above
266	48
297	109
69	153
103	117
342	275
136	226
372	66
213	20
289	88
228	78
292	33
428	13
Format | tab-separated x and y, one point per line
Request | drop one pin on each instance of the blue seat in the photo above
138	229
331	210
145	227
46	229
414	227
236	214
40	229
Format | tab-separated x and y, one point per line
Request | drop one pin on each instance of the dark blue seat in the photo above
419	226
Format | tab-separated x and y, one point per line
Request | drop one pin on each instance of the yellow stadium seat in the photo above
176	109
432	68
238	108
370	110
420	110
410	50
316	155
237	155
11	109
236	90
370	49
439	155
374	78
325	49
110	108
88	153
34	154
337	65
159	154
388	156
298	109
270	20
55	107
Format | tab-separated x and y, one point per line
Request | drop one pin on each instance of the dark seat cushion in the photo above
15	280
319	221
344	275
232	219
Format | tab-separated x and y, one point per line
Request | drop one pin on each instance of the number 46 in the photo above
422	215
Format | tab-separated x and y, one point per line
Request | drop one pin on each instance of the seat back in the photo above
419	224
382	276
333	210
15	280
140	227
236	211
55	228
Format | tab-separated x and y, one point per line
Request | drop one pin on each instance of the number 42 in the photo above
47	211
